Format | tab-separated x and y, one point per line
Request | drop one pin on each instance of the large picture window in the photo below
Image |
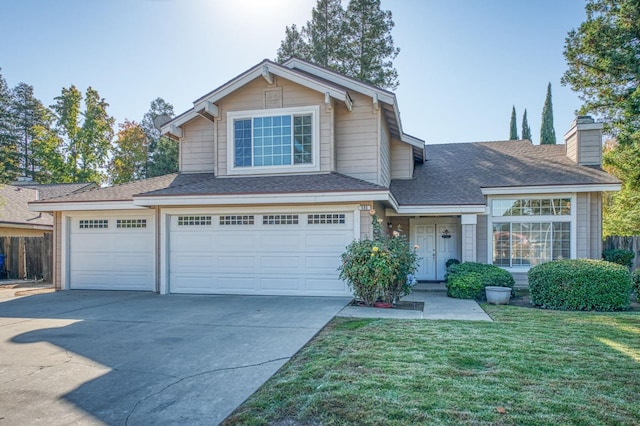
272	138
530	231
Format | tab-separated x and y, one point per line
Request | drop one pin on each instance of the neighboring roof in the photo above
14	208
125	192
53	190
456	174
277	184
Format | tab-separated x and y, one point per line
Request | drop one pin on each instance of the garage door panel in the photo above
112	258
257	258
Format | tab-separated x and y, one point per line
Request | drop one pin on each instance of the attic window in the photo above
284	139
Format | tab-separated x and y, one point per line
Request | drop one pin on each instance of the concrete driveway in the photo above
85	357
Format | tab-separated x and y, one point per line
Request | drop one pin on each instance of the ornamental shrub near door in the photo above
580	285
467	280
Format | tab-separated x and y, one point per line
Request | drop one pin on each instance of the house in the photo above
21	228
279	170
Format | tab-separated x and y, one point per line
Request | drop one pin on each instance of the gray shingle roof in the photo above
53	190
125	192
14	208
454	174
283	184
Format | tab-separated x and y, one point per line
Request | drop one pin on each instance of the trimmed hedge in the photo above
619	256
467	280
580	285
635	282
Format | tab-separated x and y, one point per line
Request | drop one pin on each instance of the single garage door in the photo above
112	252
271	254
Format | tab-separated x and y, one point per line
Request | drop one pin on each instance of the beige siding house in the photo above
280	168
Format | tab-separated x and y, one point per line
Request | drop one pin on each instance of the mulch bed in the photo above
524	301
404	305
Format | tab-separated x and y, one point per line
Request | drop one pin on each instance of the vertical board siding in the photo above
252	97
596	225
356	139
385	152
481	240
57	250
196	147
401	160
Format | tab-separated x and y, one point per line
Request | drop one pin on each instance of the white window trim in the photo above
512	219
313	110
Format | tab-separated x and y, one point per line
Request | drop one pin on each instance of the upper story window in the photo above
268	141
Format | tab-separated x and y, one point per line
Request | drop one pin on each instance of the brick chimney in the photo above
583	141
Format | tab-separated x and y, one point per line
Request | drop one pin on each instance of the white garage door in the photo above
271	254
111	252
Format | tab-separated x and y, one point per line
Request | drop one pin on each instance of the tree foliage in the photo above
547	131
513	125
129	158
604	68
9	156
28	112
526	130
163	152
356	42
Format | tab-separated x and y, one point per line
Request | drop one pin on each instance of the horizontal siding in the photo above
252	97
596	225
196	146
469	242
401	160
571	146
356	139
590	147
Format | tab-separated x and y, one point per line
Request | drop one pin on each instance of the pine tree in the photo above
547	132
163	152
9	155
368	47
526	130
29	113
356	42
513	125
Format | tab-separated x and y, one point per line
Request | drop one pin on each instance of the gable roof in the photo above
14	208
307	74
462	173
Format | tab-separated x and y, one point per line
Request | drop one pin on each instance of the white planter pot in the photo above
498	295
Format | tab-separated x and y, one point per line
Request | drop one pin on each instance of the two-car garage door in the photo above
271	254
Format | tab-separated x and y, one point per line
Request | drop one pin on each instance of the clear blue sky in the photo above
462	65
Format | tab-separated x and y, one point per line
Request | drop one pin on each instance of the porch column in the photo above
469	223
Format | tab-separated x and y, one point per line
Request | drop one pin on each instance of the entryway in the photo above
438	241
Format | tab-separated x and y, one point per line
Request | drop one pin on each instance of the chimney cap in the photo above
584	119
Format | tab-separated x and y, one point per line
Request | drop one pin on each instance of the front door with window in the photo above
437	240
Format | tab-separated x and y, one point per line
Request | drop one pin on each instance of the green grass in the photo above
539	367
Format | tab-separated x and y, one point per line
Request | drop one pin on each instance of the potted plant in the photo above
498	295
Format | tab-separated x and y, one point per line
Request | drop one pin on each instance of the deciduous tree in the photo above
163	152
129	158
9	155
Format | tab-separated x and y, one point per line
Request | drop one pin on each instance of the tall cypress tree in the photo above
547	132
526	130
513	126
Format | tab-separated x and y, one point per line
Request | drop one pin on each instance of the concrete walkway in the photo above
437	306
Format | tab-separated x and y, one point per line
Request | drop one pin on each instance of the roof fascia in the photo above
550	189
437	210
251	199
44	206
25	226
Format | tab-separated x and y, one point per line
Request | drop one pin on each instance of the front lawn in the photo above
528	367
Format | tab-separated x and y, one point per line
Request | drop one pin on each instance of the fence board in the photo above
27	257
625	243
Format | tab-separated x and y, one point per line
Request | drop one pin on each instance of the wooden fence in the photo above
625	243
27	257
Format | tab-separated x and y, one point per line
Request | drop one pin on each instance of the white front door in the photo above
437	240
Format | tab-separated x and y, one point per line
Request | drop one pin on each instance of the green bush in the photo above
635	282
451	262
580	285
467	280
621	257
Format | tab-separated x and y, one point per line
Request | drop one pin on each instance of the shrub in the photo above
381	268
621	257
580	284
635	282
467	280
